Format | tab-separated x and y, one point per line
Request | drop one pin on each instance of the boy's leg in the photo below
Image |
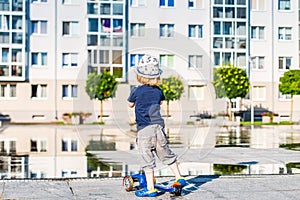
166	155
146	145
149	173
175	170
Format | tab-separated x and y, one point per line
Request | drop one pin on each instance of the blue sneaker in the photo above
182	181
146	193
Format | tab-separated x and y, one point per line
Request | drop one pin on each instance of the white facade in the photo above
61	48
42	152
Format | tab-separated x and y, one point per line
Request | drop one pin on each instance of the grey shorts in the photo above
152	140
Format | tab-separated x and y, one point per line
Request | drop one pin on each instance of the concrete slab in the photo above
36	190
199	187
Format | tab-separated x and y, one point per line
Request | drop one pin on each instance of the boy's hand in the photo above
131	104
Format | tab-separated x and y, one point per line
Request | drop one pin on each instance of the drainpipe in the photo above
249	61
272	62
55	61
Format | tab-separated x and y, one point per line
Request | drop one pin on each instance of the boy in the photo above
151	137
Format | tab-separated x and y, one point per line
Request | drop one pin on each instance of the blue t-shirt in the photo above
147	105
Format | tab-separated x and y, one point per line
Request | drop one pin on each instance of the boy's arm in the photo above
131	104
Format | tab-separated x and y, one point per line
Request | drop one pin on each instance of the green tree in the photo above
101	87
290	84
172	88
230	82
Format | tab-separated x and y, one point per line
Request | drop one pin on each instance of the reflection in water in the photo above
223	169
233	137
293	167
48	151
292	146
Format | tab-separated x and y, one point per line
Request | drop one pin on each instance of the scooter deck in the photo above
170	189
128	184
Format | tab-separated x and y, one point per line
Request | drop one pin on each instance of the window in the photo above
105	25
70	28
219	2
93	25
38	27
166	3
39	91
137	29
284	96
70	59
69	145
258	4
166	60
39	1
7	146
229	2
166	30
39	59
257	32
196	92
284	63
195	31
38	145
195	61
218	12
17	23
284	33
241	13
134	59
68	173
108	26
228	28
284	5
195	3
117	8
217	28
117	25
259	93
137	3
37	174
241	59
241	28
108	60
242	2
258	62
8	90
70	1
69	91
74	145
5	53
217	58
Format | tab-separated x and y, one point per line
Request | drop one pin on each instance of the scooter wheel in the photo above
128	183
178	189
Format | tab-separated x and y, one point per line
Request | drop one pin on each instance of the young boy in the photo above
151	137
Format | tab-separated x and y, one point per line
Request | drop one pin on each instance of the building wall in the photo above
24	108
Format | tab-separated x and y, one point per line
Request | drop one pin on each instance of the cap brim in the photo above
147	75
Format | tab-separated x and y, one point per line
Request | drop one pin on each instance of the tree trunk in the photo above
101	111
168	109
230	114
291	109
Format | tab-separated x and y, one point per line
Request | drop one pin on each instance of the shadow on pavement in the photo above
195	183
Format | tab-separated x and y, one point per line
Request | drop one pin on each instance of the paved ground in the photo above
208	187
281	187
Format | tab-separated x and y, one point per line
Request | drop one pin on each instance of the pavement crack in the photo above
71	189
2	192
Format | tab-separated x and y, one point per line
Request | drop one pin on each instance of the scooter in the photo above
128	184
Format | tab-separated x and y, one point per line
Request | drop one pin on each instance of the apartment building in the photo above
49	47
